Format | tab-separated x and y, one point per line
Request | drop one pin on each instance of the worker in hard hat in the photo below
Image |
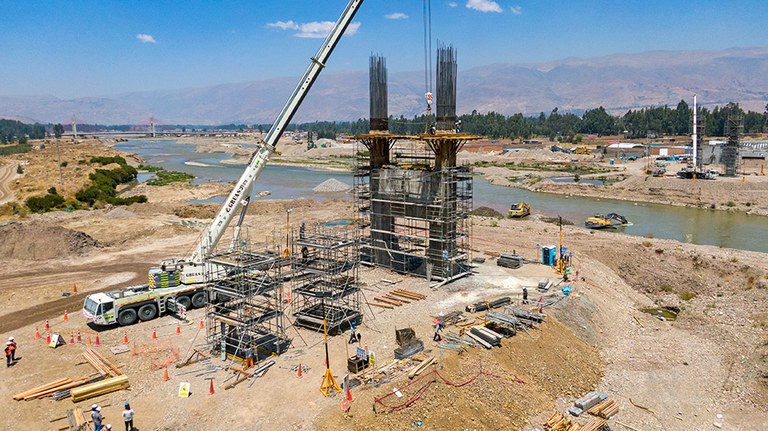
97	417
8	351
13	350
128	414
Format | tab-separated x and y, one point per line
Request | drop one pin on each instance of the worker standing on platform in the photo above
249	357
353	336
525	295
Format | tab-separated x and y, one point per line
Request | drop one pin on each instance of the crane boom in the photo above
210	238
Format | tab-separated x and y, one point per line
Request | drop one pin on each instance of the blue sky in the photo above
92	48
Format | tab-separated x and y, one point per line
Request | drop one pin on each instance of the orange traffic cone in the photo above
65	316
72	339
202	325
125	339
97	340
178	328
210	390
349	395
299	372
89	341
47	338
79	338
344	405
47	326
37	334
74	287
154	334
165	374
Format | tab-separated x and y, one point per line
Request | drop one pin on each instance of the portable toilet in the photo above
548	255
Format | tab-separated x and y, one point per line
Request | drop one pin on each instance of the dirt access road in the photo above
7	174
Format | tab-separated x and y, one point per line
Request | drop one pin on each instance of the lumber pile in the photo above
100	363
558	422
105	386
49	389
77	420
605	409
396	298
487	305
418	369
110	379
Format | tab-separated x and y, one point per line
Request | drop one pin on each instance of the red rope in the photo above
424	388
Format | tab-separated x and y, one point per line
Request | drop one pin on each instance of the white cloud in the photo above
285	25
483	5
452	4
146	38
396	15
517	10
316	29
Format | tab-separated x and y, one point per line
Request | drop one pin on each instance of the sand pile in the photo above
37	241
331	185
120	212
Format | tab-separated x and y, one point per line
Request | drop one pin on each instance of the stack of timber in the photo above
396	298
50	388
526	316
105	386
486	305
76	420
110	379
510	261
485	337
558	422
605	409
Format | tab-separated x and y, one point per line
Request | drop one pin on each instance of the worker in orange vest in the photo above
249	357
8	353
13	350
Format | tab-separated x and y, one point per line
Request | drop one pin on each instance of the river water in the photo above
693	225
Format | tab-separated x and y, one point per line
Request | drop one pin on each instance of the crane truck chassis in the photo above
183	280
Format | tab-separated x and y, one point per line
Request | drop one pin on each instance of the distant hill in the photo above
616	82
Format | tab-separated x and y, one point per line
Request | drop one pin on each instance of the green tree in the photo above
683	119
598	121
58	130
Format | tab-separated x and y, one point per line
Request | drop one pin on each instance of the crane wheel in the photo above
184	301
127	317
199	299
147	312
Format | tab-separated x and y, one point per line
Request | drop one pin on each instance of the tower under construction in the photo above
414	200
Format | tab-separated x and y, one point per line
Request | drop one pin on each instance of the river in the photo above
693	225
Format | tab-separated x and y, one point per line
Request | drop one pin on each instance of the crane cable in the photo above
427	60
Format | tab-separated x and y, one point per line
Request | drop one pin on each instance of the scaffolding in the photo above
246	303
324	281
734	129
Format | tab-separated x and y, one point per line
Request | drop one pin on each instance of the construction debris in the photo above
605	409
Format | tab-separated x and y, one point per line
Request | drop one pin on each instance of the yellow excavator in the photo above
582	150
602	221
519	210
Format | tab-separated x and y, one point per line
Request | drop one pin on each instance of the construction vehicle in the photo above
519	210
582	150
178	284
602	221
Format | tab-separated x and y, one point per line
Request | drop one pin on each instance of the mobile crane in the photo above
179	284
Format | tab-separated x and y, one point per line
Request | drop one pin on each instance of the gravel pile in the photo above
330	186
120	212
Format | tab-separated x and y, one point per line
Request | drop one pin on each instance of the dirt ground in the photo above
710	366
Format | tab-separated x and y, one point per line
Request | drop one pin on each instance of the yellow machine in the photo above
519	210
582	150
601	221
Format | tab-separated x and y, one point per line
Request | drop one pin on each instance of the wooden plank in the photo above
403	295
41	388
404	301
421	367
380	305
408	292
107	363
387	301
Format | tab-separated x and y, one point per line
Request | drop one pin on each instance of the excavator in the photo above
602	221
179	284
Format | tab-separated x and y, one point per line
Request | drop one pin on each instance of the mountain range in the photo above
617	82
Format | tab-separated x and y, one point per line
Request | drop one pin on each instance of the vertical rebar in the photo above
378	93
446	87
